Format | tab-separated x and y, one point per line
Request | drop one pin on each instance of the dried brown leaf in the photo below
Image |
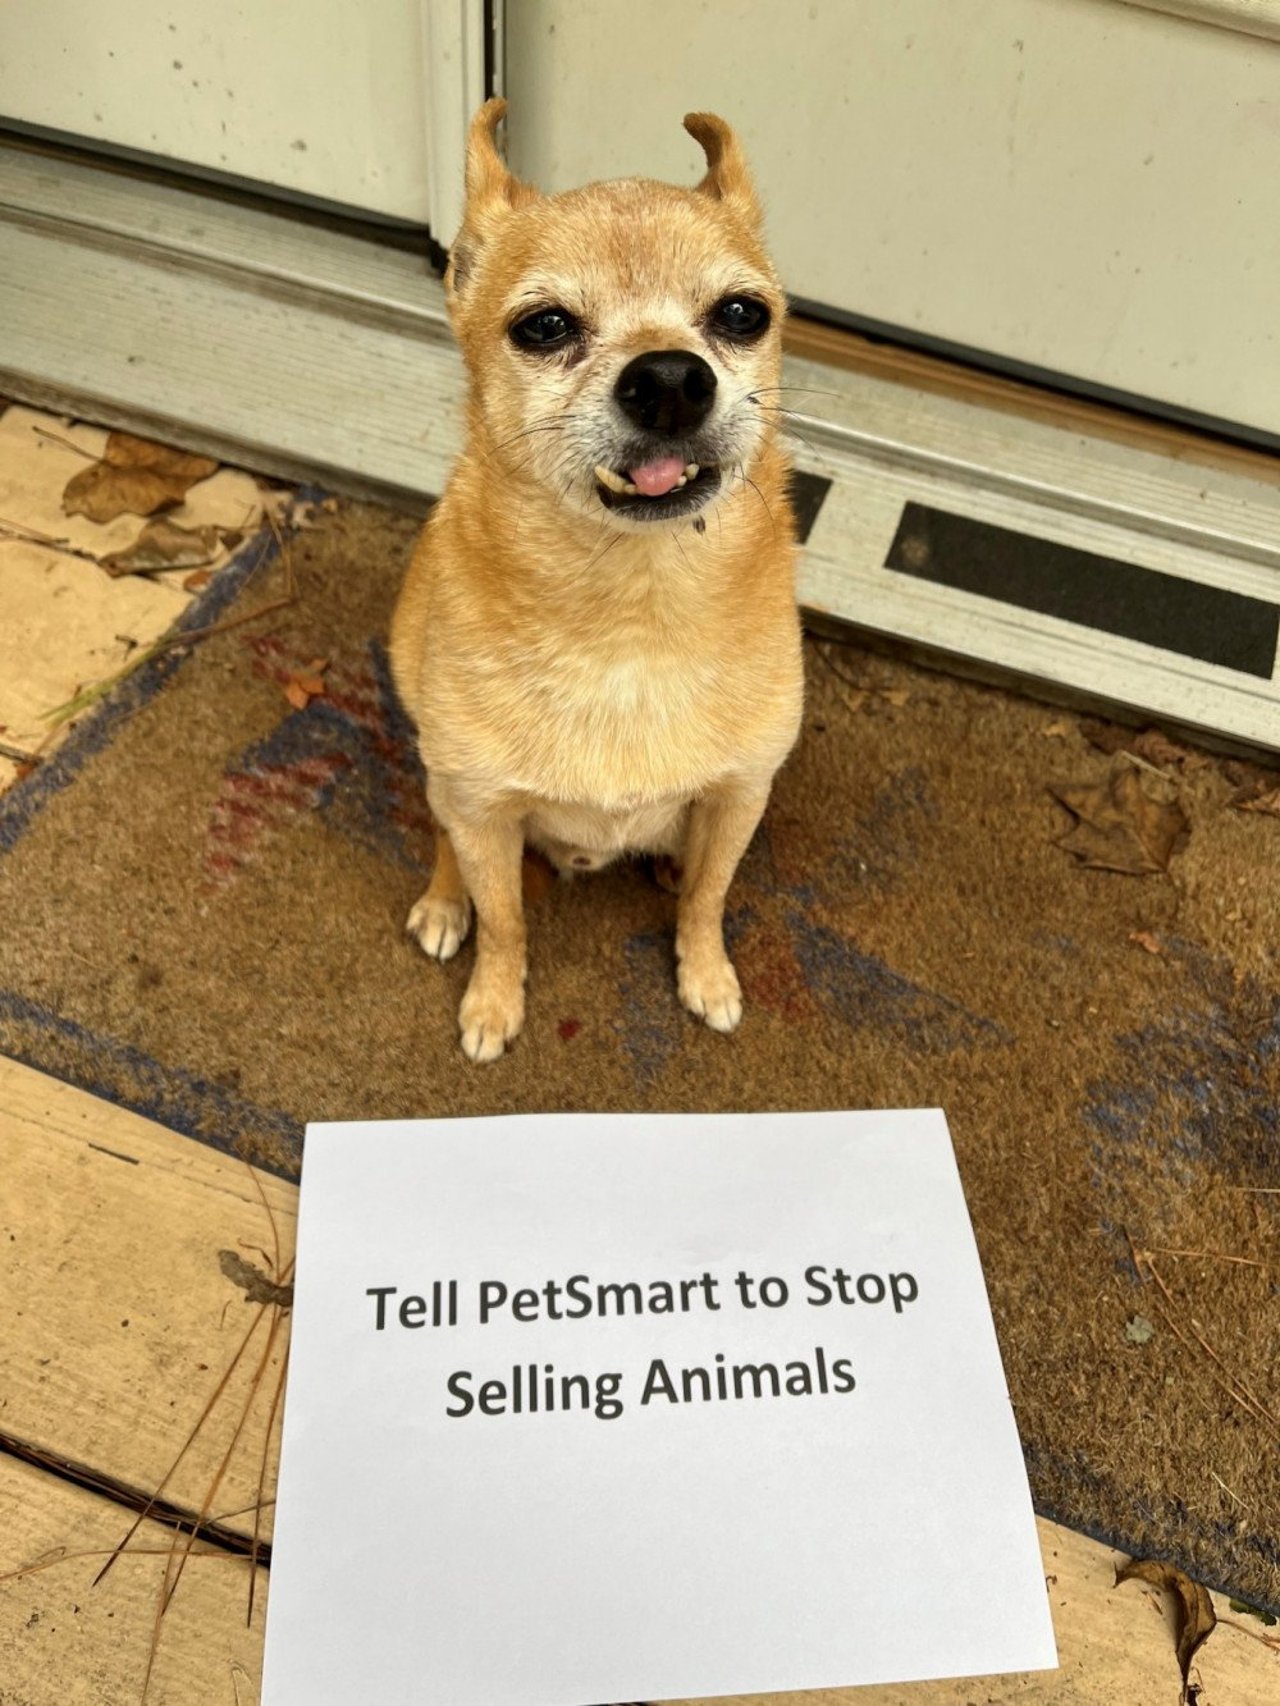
855	698
1265	800
198	581
1245	774
1151	744
1126	823
1158	749
125	450
1195	1617
164	545
304	685
134	477
1107	737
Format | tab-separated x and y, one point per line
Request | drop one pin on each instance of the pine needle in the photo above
1207	1255
261	1504
1238	1388
203	1417
65	1557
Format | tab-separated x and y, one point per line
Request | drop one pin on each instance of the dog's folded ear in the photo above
727	178
492	191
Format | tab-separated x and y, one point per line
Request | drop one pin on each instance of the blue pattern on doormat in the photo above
864	990
1198	1091
184	1100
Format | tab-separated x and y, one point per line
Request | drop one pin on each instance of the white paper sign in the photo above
589	1408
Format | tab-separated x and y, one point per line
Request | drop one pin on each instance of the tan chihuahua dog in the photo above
598	636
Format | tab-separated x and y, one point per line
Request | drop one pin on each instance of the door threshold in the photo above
1083	557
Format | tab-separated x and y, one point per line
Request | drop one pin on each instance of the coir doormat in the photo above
203	900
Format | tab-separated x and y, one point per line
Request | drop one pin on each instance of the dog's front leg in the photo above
489	848
721	824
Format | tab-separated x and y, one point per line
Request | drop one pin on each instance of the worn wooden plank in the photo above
122	1319
64	1642
66	621
105	1216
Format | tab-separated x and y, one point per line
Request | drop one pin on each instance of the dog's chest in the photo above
615	724
612	685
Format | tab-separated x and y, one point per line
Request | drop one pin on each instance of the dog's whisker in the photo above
739	473
750	482
542	423
809	390
791	423
528	432
507	470
603	552
781	409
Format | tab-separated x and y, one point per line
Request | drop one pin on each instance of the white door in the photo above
1075	188
1082	188
363	105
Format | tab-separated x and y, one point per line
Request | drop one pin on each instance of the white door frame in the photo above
462	41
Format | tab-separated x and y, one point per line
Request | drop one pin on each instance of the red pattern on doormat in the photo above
261	801
354	726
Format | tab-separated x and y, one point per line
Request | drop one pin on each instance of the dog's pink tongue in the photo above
656	479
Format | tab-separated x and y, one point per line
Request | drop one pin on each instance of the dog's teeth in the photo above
630	490
691	471
682	481
614	482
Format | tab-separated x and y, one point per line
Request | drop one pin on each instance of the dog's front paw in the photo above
491	1015
709	987
440	926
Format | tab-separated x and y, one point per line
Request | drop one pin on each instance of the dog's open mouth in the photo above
657	490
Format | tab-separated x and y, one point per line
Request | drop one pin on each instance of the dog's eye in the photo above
740	317
545	329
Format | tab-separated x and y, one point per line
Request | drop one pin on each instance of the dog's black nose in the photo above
668	391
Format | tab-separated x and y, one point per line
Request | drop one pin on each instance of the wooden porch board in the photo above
64	1642
106	1217
121	1320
